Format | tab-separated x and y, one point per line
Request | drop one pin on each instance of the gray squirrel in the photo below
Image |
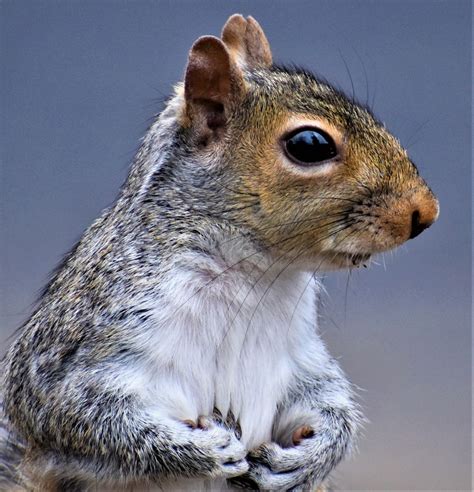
176	346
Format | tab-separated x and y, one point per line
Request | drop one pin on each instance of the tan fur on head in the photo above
367	199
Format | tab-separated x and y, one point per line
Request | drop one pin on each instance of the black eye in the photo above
310	146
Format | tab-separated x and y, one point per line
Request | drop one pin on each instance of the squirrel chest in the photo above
226	341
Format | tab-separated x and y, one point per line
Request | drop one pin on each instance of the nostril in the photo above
417	226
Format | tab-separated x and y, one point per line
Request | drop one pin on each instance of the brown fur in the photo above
246	40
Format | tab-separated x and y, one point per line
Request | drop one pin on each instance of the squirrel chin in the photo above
331	261
352	260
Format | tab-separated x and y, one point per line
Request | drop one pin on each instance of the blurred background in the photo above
81	81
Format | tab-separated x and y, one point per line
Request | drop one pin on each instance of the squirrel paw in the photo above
275	468
222	445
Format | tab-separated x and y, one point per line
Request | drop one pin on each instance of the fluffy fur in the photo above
176	347
136	335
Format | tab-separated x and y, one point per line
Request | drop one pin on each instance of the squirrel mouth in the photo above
351	259
359	258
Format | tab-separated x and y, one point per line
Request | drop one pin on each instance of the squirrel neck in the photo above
180	204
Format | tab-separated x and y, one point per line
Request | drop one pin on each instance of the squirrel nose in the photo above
423	217
417	227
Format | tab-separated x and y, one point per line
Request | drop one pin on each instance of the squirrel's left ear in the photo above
213	83
247	42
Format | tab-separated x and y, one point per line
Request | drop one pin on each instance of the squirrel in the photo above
176	347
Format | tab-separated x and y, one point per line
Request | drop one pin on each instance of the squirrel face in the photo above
330	181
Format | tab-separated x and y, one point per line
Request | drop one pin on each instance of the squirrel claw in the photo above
190	423
201	423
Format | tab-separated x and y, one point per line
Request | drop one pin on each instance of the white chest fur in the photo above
229	340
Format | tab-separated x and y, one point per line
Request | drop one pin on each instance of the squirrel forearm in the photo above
314	429
95	426
324	405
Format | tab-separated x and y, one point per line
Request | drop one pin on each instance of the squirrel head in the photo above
306	169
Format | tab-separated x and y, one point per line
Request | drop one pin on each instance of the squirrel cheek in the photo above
303	432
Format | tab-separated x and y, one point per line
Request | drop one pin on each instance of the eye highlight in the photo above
309	146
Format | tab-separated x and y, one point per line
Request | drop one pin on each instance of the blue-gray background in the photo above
79	83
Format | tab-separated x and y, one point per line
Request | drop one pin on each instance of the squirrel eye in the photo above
310	146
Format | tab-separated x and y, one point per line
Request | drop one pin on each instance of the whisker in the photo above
236	192
292	260
365	75
252	204
228	268
350	76
343	212
311	278
259	251
346	296
364	186
258	279
236	209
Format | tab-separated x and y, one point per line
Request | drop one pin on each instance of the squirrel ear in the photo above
212	82
247	41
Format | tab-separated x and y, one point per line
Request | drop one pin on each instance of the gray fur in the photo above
64	390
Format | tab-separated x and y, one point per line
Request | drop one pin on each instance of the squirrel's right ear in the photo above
213	83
